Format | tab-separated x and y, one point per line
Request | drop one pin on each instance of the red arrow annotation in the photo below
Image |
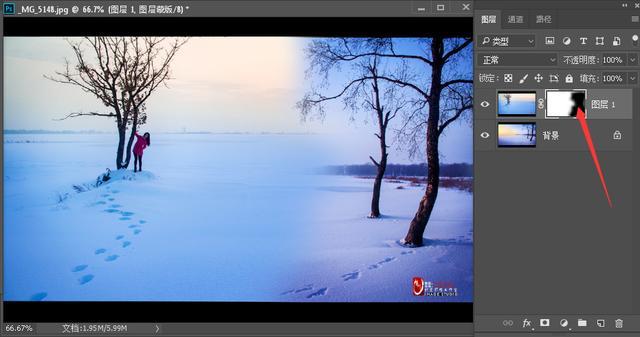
587	136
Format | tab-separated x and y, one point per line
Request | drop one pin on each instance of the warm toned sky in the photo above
519	97
239	84
509	130
219	84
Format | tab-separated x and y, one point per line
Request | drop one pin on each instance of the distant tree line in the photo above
41	131
395	170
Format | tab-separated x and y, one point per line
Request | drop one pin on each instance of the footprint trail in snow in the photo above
310	291
111	257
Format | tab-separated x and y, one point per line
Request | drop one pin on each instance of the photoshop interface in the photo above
320	168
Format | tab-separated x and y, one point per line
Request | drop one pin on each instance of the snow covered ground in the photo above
216	218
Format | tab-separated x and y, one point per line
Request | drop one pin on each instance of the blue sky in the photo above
240	84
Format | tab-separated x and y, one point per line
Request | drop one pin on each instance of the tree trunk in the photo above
382	167
132	136
382	136
120	153
377	184
419	223
428	201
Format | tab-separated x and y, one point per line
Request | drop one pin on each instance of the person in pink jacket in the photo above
141	143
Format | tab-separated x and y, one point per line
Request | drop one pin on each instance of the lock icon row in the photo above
568	78
617	135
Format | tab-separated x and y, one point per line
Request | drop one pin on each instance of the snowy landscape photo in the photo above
240	169
516	104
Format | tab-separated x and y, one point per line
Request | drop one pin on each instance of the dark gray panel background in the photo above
546	240
284	329
552	334
266	8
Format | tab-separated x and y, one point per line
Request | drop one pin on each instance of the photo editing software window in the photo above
320	168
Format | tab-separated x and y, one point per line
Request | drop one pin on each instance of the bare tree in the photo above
531	131
384	101
384	114
122	72
431	114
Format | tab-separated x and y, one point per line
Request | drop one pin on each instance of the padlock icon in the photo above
568	78
617	135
